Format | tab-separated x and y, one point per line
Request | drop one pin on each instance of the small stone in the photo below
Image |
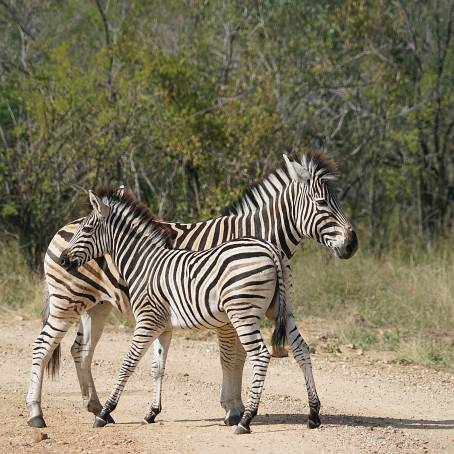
185	375
39	436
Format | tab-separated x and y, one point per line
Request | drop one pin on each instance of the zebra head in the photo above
320	215
91	240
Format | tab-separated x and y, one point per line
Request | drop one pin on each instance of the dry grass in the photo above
21	290
402	302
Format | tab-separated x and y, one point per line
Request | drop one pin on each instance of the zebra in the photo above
294	200
235	284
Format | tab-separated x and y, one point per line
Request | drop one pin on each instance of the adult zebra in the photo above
233	284
292	201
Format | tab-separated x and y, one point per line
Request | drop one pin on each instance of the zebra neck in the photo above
131	249
276	221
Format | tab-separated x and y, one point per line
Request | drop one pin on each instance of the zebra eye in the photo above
87	228
321	202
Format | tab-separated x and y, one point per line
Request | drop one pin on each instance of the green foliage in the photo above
187	102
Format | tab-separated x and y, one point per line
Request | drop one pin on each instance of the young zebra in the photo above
292	201
234	284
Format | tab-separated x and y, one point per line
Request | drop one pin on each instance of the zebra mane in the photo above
319	165
159	231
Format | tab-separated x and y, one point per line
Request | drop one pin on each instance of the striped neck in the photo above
132	238
276	220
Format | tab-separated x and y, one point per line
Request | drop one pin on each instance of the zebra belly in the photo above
178	321
198	313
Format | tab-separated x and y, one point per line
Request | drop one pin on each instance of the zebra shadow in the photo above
357	421
343	420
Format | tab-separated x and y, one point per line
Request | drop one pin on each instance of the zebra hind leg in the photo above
259	356
232	356
47	341
88	335
301	353
160	349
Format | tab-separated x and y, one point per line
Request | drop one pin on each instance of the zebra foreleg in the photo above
232	356
50	337
160	349
302	356
143	337
90	330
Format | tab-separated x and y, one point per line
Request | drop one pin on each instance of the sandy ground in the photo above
368	404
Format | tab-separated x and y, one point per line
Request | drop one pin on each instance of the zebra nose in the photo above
352	245
64	261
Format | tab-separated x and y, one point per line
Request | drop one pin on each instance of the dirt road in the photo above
368	405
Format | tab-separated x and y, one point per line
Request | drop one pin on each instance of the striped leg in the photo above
259	356
144	335
160	349
301	353
232	357
90	330
248	331
50	337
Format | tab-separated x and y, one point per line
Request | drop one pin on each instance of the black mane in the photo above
320	162
138	209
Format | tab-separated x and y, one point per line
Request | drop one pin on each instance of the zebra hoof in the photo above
109	419
240	430
37	421
99	422
314	420
149	419
233	420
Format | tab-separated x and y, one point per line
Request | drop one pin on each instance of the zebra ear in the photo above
290	168
121	190
296	171
98	205
302	172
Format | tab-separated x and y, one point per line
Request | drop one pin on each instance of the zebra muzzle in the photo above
67	263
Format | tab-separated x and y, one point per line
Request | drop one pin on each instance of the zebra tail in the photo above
279	336
53	366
